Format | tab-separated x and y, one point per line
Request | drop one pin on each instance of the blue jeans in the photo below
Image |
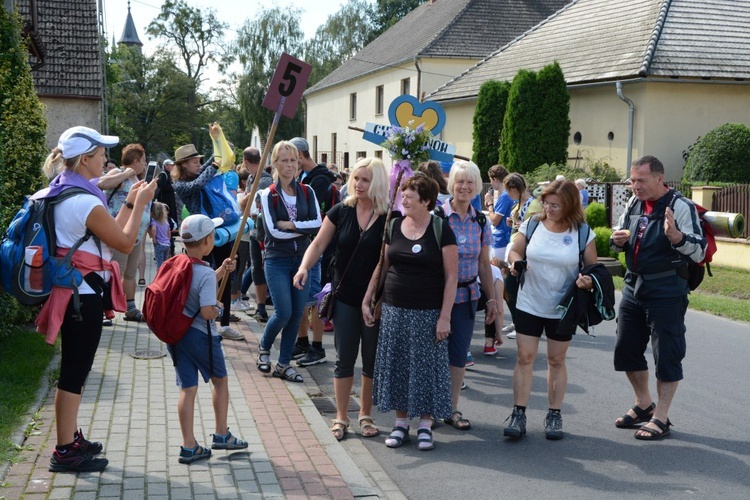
315	287
288	305
247	280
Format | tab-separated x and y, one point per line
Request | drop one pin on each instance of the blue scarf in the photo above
67	179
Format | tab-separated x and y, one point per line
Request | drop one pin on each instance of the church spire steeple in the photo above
129	34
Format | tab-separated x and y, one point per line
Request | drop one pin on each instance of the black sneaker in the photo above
87	446
76	460
517	426
300	351
261	316
313	357
553	425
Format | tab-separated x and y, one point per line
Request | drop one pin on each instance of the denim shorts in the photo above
192	357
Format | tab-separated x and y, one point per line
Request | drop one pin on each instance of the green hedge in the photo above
603	234
596	215
722	155
488	123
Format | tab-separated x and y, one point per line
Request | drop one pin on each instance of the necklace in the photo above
362	229
414	232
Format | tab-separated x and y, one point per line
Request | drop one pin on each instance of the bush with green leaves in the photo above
23	130
596	215
536	125
23	125
603	234
488	123
722	155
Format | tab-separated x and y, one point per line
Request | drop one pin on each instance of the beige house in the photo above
644	76
435	42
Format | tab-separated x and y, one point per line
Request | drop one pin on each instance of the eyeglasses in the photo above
552	206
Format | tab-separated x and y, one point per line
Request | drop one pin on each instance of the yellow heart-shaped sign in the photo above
405	114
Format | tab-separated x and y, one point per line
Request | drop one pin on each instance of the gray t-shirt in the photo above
202	293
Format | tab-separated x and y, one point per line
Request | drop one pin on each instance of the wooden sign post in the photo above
283	97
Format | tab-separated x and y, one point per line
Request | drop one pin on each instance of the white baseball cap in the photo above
198	226
79	140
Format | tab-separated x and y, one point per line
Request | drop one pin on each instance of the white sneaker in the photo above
249	306
511	335
229	333
509	328
239	305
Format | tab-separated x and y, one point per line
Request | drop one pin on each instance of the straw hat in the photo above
185	153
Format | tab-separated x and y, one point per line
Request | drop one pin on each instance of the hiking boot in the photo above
229	333
261	316
76	460
313	357
517	426
300	351
87	446
553	425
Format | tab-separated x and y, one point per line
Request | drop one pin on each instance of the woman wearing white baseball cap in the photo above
79	157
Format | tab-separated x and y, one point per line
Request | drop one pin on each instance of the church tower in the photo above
129	34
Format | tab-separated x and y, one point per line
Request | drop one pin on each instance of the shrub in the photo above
722	155
536	125
603	234
596	215
488	123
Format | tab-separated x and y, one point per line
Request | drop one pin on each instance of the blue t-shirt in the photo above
202	293
584	198
501	231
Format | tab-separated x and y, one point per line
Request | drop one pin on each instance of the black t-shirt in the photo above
354	286
416	278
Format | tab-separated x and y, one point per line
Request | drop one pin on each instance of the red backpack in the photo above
164	303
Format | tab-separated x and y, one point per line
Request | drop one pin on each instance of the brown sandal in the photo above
339	428
368	427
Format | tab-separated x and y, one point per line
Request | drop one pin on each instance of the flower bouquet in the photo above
408	146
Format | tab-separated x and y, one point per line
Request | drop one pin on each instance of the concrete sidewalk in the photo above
130	405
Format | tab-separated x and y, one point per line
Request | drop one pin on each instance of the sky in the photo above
232	12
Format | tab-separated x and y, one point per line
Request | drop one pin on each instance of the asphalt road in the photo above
707	455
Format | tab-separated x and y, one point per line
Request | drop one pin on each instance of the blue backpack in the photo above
217	201
30	279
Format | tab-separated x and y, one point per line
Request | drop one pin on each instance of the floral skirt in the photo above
411	370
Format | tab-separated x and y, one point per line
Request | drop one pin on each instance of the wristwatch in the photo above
129	205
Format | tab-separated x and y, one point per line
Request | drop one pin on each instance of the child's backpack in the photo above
28	265
217	201
165	299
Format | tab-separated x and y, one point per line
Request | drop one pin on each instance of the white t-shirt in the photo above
496	275
70	225
552	266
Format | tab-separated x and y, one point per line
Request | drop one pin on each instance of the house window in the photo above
361	154
324	158
379	100
353	106
315	147
379	154
333	148
406	86
346	161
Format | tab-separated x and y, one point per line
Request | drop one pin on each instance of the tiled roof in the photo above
605	40
72	64
129	33
444	28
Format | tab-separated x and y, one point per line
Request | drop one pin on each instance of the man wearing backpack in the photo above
658	241
320	179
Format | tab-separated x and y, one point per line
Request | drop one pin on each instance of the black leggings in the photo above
218	254
348	330
80	340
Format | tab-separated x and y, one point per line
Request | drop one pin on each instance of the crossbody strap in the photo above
354	252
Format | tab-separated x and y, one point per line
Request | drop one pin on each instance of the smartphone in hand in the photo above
151	171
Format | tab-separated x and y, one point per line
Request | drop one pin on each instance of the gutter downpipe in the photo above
631	112
419	79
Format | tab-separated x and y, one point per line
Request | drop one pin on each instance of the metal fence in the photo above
734	199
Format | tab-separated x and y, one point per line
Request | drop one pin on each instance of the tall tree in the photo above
196	34
259	46
149	103
389	12
339	38
488	123
536	124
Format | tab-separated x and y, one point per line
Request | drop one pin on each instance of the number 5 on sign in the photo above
289	82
